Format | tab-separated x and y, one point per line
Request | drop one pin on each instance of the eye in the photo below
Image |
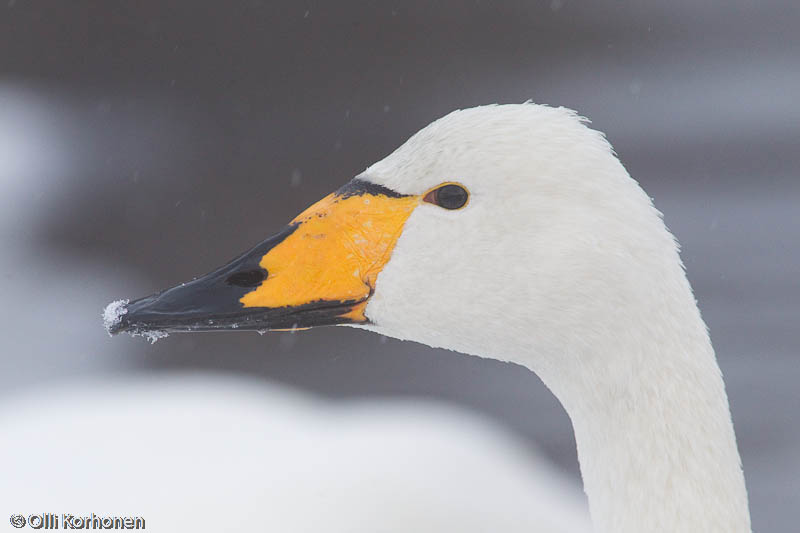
247	278
448	196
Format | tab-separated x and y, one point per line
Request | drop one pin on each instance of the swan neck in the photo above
653	429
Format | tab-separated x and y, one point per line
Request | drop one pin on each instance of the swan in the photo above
511	232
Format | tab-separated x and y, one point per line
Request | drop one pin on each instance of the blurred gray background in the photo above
144	143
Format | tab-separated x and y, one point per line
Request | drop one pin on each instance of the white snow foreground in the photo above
215	454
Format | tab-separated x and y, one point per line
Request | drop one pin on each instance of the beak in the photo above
318	271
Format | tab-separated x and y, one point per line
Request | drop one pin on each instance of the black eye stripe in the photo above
449	196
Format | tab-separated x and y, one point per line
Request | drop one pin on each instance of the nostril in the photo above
247	278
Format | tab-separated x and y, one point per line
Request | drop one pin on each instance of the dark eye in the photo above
247	278
449	196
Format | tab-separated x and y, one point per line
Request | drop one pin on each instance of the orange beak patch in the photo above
336	253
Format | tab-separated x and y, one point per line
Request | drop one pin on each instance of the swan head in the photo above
492	223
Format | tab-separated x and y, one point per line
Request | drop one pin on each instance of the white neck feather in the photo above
653	429
648	405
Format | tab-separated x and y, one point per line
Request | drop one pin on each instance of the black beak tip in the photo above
135	317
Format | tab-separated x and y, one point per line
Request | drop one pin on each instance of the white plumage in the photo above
561	263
